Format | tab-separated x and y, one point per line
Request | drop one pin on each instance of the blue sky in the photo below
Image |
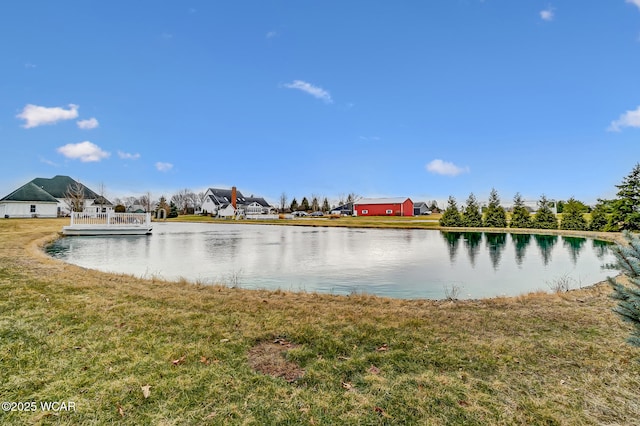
407	98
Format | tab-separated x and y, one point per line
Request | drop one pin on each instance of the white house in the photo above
44	197
231	202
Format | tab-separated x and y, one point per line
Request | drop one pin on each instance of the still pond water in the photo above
400	263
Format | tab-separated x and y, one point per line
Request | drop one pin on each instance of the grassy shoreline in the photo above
68	333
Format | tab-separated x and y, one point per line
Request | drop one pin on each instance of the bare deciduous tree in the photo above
74	197
146	202
353	197
183	199
283	202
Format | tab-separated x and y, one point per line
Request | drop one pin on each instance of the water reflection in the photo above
495	244
452	240
601	248
520	243
472	243
396	263
574	245
545	244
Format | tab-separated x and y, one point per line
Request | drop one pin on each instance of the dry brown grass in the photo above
97	338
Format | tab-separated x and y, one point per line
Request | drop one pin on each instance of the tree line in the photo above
619	214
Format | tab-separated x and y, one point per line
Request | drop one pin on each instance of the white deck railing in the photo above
108	219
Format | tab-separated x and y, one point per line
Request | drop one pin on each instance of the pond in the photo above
399	263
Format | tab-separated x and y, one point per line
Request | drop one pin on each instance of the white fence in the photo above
266	216
116	219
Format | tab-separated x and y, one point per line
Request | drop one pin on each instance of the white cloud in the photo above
446	168
314	91
163	167
628	119
83	151
548	14
48	162
636	2
35	115
91	123
128	156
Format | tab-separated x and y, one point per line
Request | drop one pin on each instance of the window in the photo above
389	211
365	211
33	208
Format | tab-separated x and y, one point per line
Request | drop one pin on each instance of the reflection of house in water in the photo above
520	243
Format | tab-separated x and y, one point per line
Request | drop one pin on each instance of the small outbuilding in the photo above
383	207
420	208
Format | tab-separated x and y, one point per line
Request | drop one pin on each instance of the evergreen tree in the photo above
173	210
626	208
544	217
598	217
520	216
572	216
628	294
304	204
471	217
315	205
294	205
451	215
495	216
325	205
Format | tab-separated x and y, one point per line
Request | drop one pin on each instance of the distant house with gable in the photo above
230	202
44	197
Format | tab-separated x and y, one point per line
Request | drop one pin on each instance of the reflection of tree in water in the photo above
574	244
472	242
545	244
520	242
601	248
453	241
495	244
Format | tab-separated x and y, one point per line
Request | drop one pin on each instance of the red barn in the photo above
383	207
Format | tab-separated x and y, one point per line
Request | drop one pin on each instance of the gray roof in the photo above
101	201
30	192
395	200
46	190
258	200
222	198
57	186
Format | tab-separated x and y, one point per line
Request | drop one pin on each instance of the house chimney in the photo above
233	196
